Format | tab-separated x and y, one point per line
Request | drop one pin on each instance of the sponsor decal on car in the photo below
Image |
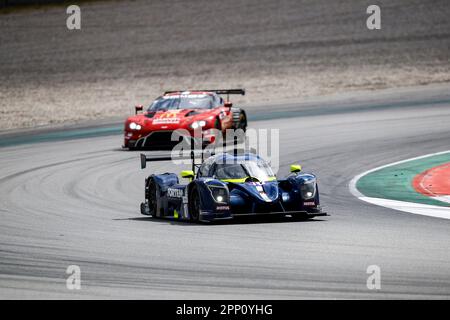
166	120
175	193
309	203
168	117
223	208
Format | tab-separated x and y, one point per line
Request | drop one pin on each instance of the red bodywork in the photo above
156	127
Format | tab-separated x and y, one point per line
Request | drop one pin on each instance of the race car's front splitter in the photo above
284	213
209	217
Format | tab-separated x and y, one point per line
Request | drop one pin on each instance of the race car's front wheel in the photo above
194	205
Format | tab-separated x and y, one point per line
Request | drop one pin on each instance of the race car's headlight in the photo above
220	194
308	190
198	124
134	126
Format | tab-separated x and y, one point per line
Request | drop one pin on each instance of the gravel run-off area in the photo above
128	52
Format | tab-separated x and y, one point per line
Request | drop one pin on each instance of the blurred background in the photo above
128	52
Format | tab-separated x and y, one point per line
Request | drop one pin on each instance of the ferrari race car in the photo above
230	185
203	110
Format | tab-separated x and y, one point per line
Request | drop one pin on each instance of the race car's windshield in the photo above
192	101
259	169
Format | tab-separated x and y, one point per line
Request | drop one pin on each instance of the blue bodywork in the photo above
296	195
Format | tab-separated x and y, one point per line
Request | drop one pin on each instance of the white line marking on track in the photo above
443	198
411	207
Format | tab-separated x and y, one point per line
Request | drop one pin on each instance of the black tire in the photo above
128	147
242	121
239	120
194	205
152	197
217	124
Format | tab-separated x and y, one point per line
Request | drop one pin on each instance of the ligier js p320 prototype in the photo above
230	185
203	110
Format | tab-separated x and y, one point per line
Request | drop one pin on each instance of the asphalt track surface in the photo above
76	202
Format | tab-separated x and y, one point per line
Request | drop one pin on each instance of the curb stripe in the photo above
411	207
434	182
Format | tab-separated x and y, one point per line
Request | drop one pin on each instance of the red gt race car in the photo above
189	110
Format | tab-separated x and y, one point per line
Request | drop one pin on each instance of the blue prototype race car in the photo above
227	186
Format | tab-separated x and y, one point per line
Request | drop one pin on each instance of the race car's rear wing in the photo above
192	156
145	159
218	91
195	152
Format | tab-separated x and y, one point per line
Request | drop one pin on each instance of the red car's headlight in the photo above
198	124
134	126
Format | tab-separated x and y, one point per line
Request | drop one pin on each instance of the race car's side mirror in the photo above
228	104
296	168
138	108
188	174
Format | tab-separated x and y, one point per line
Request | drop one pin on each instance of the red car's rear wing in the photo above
218	91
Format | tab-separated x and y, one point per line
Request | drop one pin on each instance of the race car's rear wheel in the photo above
217	124
194	205
152	197
239	119
243	122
